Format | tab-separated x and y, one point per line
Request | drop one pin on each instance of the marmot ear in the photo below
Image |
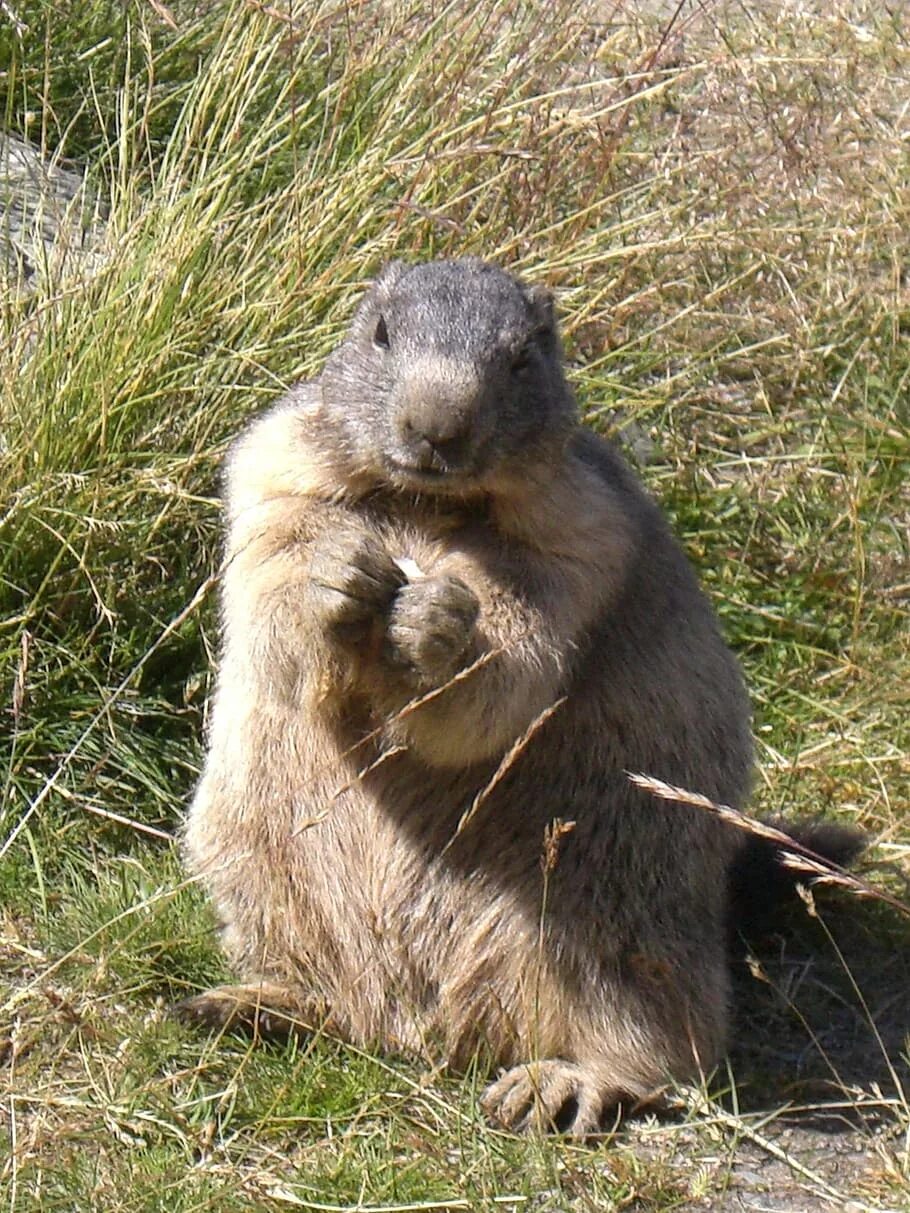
374	299
542	307
391	272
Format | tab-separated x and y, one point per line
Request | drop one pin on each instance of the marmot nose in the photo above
435	451
437	437
436	413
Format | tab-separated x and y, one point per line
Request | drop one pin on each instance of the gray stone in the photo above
50	222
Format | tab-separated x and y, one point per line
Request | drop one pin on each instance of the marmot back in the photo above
453	618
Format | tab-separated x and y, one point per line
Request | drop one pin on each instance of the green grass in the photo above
724	221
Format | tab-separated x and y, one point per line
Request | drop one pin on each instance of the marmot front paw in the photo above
431	626
352	581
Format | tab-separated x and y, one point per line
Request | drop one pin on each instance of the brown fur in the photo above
327	822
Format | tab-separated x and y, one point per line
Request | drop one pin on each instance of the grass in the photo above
722	214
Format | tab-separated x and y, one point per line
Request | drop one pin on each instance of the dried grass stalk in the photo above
794	855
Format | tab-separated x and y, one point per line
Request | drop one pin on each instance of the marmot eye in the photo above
522	360
381	334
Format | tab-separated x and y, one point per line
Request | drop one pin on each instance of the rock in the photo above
50	222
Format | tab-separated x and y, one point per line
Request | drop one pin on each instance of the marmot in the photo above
453	621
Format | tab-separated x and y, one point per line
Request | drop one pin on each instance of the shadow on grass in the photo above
821	1020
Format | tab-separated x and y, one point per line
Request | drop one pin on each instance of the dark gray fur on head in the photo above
450	369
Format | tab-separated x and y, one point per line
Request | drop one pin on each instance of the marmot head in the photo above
450	379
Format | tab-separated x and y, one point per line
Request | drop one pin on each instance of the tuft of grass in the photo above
720	205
